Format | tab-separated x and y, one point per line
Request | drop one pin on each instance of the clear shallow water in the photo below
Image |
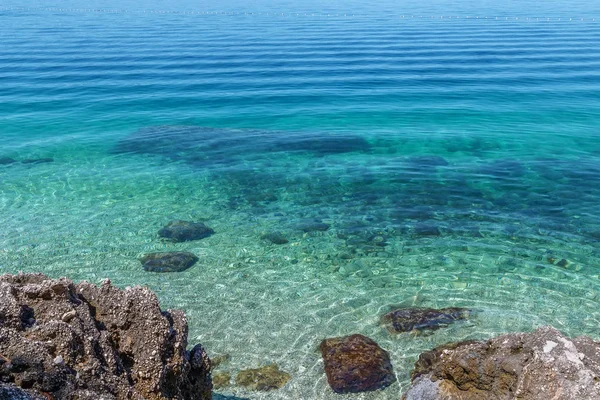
455	160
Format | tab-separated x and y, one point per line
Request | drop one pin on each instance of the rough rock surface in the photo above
182	231
62	340
542	365
418	319
356	364
174	261
265	378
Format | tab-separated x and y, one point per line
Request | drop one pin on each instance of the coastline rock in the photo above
266	378
527	366
275	238
419	319
183	231
174	261
356	364
118	345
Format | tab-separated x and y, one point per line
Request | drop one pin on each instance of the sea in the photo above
411	154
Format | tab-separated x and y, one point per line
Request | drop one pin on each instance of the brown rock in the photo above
419	319
221	379
265	378
527	366
356	364
87	342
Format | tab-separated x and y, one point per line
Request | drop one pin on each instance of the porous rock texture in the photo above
61	340
355	364
543	365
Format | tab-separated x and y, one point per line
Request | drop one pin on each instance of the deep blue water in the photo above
451	149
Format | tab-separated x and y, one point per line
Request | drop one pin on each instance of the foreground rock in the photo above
174	261
183	231
527	366
419	319
356	364
266	378
61	340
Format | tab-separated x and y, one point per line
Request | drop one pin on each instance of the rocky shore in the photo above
61	340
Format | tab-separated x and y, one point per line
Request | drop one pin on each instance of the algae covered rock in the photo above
527	366
418	319
266	378
182	231
62	340
355	364
174	261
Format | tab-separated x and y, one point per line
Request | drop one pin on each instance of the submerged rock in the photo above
275	238
356	364
7	160
37	160
118	344
182	231
416	318
527	366
221	379
175	261
425	229
313	226
266	378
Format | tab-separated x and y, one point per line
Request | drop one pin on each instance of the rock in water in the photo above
416	318
182	231
356	364
174	261
541	365
118	344
266	378
275	238
38	160
7	160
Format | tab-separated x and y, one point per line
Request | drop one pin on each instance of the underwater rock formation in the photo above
174	261
7	160
528	366
356	364
206	146
61	340
183	231
419	319
266	378
275	238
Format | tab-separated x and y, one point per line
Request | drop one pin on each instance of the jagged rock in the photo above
417	319
541	365
356	364
275	238
174	261
182	231
266	378
118	344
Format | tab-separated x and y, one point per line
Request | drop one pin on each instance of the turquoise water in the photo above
455	160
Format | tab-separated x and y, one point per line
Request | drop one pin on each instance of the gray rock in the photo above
118	345
275	238
527	366
418	319
182	231
174	261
